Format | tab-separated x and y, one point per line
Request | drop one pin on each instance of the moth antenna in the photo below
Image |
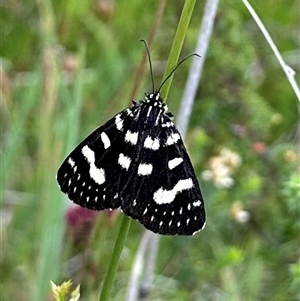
174	69
150	63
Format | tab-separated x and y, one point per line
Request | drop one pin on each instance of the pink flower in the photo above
77	215
259	147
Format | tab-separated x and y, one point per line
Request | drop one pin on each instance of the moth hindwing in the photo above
137	161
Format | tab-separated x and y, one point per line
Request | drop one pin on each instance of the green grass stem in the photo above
172	60
114	261
180	34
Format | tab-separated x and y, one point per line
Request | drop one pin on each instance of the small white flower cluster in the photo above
221	168
239	214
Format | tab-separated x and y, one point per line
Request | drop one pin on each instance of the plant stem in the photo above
193	81
114	261
144	265
289	72
182	27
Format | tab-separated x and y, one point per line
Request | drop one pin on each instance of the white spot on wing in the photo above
200	229
119	122
124	161
97	174
197	204
162	196
174	162
71	162
131	137
145	169
105	140
151	143
173	138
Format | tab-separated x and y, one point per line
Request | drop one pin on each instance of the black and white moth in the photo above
137	161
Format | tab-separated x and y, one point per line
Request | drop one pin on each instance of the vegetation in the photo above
67	66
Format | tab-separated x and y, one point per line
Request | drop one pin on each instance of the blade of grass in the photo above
74	107
193	81
137	267
114	261
150	260
289	72
52	206
49	220
15	139
180	34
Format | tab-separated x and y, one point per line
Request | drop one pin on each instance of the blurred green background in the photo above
67	66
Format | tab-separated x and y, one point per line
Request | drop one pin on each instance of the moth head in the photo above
154	99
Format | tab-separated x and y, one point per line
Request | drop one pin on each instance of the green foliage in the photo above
67	69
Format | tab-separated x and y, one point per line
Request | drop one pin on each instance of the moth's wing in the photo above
168	200
91	175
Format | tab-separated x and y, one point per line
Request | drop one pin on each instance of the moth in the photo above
137	161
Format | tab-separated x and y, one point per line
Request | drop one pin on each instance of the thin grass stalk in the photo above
150	263
74	106
49	218
53	205
194	77
142	273
14	141
289	72
136	272
114	261
153	246
184	114
179	37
